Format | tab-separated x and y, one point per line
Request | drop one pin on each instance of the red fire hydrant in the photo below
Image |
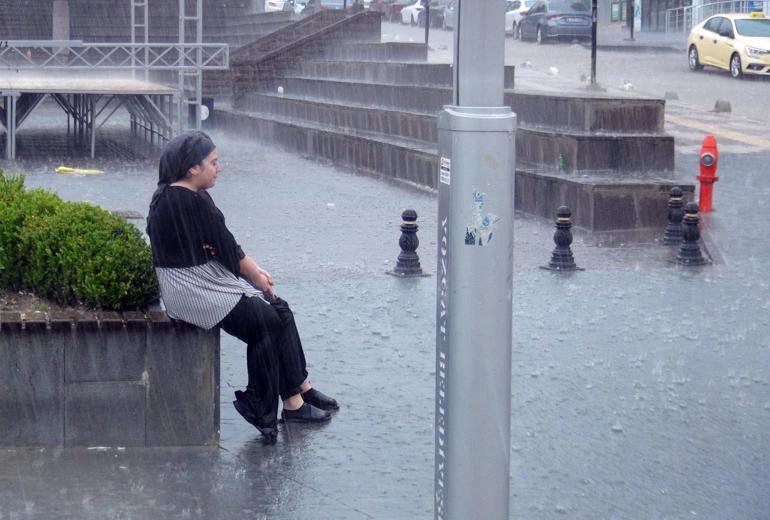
709	156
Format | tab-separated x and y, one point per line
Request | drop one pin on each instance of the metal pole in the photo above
593	41
631	17
427	20
10	126
182	96
475	275
199	64
133	39
146	41
92	118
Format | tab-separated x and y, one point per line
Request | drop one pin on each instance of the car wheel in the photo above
736	68
539	37
692	59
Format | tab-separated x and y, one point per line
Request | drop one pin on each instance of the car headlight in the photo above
755	52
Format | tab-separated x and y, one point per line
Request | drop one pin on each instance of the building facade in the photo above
110	20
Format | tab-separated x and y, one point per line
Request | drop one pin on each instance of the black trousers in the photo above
274	356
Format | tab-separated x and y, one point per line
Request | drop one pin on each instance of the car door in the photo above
529	22
707	41
725	44
510	8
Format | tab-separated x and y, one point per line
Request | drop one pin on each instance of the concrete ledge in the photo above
371	154
626	154
107	379
388	51
397	97
583	112
402	73
393	123
598	203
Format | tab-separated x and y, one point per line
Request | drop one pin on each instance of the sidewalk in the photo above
640	390
617	38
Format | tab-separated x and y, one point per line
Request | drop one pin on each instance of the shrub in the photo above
16	206
71	252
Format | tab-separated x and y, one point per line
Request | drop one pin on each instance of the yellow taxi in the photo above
739	43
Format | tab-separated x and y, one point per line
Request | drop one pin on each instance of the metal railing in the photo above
682	19
72	55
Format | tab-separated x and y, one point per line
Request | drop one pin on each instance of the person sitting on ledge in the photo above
203	275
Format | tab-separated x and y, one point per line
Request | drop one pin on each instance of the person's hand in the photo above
267	275
265	282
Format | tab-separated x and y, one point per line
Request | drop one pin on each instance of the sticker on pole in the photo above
445	170
479	233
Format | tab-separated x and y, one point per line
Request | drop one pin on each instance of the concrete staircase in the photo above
341	95
243	29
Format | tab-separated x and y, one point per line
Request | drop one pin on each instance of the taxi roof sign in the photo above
757	14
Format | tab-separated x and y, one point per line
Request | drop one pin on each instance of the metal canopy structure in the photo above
155	109
89	103
76	55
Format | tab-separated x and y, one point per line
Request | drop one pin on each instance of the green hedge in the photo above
71	252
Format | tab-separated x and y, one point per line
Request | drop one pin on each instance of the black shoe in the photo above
320	400
269	432
307	413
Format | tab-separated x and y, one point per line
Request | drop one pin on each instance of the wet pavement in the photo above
640	389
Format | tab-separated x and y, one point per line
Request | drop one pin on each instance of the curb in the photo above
639	48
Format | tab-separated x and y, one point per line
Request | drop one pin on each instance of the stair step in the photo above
351	117
403	73
388	51
411	144
408	73
422	99
597	114
374	154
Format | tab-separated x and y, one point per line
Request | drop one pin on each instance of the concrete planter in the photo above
108	379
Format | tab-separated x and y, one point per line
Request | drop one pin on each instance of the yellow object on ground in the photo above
67	169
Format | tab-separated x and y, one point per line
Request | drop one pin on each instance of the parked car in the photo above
411	12
278	5
449	18
333	4
554	19
391	9
739	43
436	14
514	12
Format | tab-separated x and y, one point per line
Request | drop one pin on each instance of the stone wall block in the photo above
107	354
614	209
183	387
31	388
93	417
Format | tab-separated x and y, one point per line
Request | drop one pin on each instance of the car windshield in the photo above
567	6
753	27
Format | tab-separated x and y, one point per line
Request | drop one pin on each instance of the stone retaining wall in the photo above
107	379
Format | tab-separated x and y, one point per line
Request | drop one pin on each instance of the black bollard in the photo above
561	258
408	263
689	251
673	234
